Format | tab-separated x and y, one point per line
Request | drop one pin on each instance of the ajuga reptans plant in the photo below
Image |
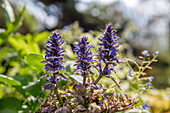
85	96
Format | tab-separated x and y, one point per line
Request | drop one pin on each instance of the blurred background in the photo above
142	24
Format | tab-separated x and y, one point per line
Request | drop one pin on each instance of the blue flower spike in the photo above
84	56
108	54
54	55
108	51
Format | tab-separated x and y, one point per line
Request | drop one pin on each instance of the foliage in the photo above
18	81
20	70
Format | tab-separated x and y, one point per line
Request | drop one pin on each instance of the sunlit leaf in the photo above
41	36
8	80
34	60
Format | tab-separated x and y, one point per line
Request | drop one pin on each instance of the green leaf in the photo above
8	11
134	86
12	26
79	89
68	68
41	36
62	83
35	61
8	80
24	80
10	103
35	88
8	111
19	44
24	44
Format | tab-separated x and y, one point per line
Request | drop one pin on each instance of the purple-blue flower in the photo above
157	52
54	53
131	73
52	80
124	59
148	84
145	106
152	78
109	48
145	52
84	56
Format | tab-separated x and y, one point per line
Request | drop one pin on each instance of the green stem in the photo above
133	62
57	93
84	78
100	76
97	80
58	97
149	63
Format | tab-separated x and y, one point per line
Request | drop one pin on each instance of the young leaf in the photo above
41	36
34	60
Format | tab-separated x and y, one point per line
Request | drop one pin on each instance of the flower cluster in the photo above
141	80
149	85
109	48
75	96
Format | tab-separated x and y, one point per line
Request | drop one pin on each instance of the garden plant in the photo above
77	70
67	95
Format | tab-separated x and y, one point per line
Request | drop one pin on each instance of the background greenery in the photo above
23	36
